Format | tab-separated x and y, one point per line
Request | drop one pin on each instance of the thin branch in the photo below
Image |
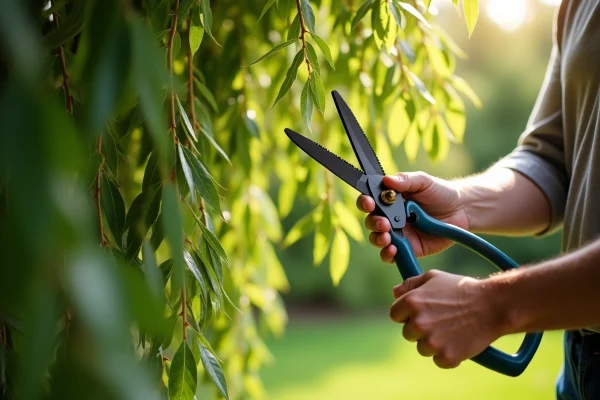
302	32
191	97
99	192
65	72
173	31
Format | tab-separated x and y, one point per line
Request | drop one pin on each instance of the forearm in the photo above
563	293
503	202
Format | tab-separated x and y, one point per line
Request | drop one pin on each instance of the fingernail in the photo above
399	178
363	204
396	288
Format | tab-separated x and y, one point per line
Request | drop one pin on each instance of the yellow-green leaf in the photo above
340	256
306	105
275	49
471	9
300	229
414	12
361	12
196	35
213	369
322	236
290	76
411	143
462	86
398	123
317	91
266	8
348	221
183	374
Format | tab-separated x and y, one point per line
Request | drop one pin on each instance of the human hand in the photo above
451	317
439	198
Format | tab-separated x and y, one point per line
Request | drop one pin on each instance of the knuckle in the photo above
412	302
419	325
432	273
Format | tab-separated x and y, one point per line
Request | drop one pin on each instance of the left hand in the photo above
451	317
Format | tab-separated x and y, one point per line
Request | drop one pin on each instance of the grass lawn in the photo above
367	358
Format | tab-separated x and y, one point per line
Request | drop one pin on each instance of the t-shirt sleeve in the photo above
539	154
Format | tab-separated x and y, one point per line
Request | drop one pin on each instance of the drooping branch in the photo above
302	33
65	72
173	31
191	97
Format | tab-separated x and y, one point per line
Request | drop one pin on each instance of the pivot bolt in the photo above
388	196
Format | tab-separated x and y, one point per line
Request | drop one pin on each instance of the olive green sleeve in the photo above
539	153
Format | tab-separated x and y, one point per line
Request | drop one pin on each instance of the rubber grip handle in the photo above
492	358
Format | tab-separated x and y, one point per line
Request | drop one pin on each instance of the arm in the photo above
453	317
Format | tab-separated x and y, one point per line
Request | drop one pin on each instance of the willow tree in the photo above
144	175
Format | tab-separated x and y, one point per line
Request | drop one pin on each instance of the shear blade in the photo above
360	144
341	168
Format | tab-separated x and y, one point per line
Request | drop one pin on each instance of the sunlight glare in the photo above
508	14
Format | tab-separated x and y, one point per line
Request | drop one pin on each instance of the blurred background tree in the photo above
154	218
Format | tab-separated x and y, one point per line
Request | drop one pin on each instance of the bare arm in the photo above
504	202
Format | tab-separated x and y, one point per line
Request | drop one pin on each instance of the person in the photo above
551	180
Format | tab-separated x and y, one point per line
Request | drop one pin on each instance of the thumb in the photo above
408	181
410	284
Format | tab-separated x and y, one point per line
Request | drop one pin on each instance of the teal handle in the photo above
492	358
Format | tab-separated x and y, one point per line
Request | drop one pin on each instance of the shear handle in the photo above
491	358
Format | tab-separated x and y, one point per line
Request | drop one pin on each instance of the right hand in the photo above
439	198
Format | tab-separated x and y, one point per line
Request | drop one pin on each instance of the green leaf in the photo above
183	374
324	48
173	226
266	8
395	10
206	344
312	58
151	271
275	49
462	86
214	371
287	193
214	144
361	12
308	14
414	12
420	86
193	267
189	129
322	236
294	31
202	180
206	94
306	105
251	126
398	122
114	208
348	221
290	76
213	242
340	256
207	19
411	143
471	10
317	91
300	229
196	34
187	172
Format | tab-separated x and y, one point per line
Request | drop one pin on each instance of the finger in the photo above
388	254
411	332
377	223
425	348
445	361
380	240
408	181
365	203
401	311
412	283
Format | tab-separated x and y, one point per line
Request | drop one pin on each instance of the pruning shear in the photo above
399	212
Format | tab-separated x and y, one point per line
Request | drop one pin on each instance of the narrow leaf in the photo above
348	221
312	58
395	10
183	374
322	236
415	13
196	35
300	229
186	120
187	172
306	105
215	144
206	94
361	12
202	180
207	19
420	86
462	86
266	8
290	76
308	14
114	208
471	9
193	267
214	371
324	48
340	256
317	91
275	49
294	31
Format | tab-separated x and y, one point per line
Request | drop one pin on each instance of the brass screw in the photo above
388	196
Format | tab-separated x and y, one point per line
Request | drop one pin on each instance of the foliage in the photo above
142	149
